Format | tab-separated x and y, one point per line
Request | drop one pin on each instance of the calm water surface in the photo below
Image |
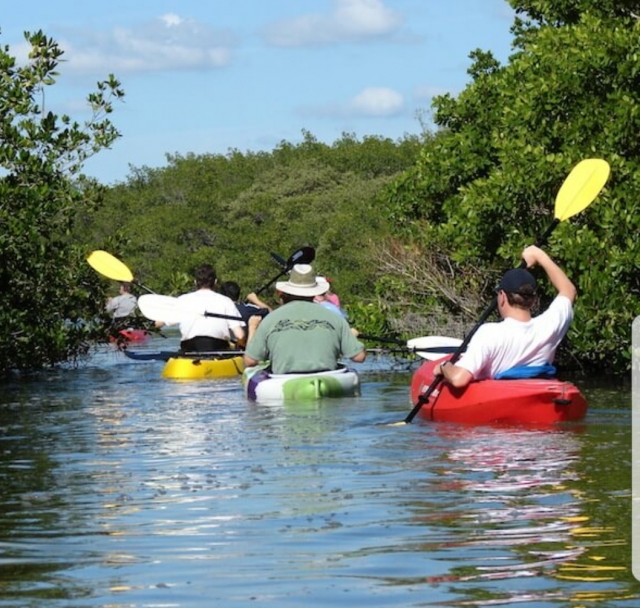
121	489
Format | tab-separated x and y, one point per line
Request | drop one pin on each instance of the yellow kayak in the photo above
189	368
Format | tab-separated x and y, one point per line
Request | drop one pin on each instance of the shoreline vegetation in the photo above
414	232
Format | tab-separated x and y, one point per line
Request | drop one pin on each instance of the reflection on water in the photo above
523	516
122	489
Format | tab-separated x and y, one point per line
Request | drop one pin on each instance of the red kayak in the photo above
138	336
522	401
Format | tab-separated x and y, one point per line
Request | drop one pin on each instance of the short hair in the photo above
522	300
287	297
126	286
205	276
230	289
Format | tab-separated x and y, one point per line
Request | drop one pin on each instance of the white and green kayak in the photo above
264	387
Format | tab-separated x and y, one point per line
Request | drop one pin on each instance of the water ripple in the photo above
120	488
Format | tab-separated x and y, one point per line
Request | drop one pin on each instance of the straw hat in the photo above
302	282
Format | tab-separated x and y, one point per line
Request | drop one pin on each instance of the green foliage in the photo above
369	318
47	287
234	210
484	186
566	12
426	222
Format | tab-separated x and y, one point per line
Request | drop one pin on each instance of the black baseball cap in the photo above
519	281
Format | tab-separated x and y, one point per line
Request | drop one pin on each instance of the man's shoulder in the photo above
188	296
560	305
204	295
491	332
491	327
562	301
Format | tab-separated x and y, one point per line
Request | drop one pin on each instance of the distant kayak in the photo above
521	401
137	336
262	386
193	368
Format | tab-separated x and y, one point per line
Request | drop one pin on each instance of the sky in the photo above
209	76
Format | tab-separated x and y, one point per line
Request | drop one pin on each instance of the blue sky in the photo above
208	76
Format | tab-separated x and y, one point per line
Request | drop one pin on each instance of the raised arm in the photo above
254	299
533	256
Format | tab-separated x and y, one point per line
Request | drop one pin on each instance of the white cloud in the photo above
371	102
168	42
377	101
171	19
349	21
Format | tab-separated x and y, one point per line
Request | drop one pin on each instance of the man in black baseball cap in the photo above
520	346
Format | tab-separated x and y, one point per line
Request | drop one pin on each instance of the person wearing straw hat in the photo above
300	336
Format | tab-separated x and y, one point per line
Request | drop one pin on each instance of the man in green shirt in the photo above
301	336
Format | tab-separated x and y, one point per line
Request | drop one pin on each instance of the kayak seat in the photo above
527	371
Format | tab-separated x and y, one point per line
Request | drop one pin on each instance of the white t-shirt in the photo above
497	347
205	300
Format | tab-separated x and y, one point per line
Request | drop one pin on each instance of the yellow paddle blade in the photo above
581	187
109	266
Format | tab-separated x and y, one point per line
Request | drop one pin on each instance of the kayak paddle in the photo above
427	347
433	347
165	355
153	355
381	340
169	310
577	192
279	260
112	268
431	354
306	255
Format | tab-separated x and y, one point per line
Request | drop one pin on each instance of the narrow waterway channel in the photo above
123	489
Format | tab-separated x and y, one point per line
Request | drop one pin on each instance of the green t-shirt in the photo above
303	337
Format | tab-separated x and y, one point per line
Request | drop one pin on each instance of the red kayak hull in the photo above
523	401
139	336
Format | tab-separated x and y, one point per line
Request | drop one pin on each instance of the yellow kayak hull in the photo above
187	368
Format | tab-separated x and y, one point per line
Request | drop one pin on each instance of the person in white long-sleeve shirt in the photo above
520	345
122	305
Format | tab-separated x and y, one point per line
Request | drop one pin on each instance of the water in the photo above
121	489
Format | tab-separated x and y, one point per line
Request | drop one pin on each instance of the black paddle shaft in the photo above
305	255
221	316
165	355
381	340
278	260
143	287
